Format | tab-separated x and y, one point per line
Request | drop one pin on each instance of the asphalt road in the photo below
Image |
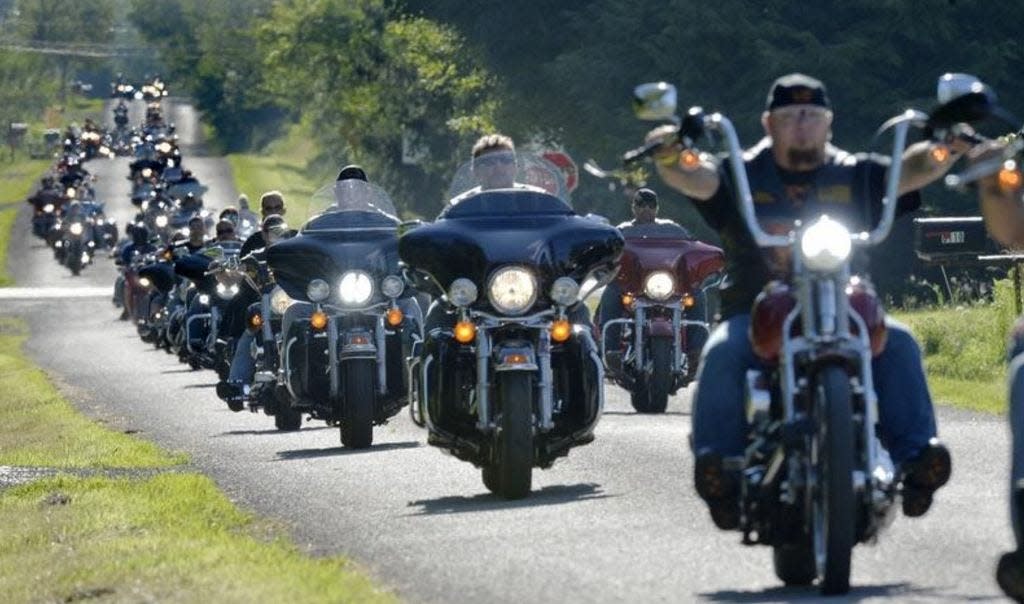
617	520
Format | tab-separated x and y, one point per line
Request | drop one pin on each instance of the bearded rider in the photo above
795	172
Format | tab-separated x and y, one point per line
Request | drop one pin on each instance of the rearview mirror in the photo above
962	98
655	101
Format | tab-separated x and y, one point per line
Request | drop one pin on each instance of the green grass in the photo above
965	350
170	538
39	428
283	166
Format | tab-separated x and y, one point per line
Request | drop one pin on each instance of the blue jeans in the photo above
1016	412
906	416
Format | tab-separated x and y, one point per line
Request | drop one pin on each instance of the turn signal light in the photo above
561	330
515	359
465	332
256	321
359	341
627	300
1010	178
319	320
688	301
689	160
940	153
395	317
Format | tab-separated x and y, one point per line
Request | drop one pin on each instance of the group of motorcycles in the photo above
65	211
506	371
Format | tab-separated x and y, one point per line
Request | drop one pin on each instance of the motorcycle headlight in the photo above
147	172
161	221
512	290
48	208
659	285
565	291
280	301
825	245
226	291
392	286
355	288
70	192
204	299
145	282
164	147
76	228
317	290
462	292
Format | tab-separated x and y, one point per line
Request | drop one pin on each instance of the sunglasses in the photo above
225	232
644	204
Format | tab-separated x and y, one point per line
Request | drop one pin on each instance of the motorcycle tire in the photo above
287	419
357	407
652	396
835	501
794	564
511	474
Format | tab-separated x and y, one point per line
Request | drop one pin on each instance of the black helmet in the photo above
352	172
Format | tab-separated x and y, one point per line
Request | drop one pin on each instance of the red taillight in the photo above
771	308
865	303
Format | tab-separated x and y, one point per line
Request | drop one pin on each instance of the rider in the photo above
794	171
234	390
1004	218
271	203
645	216
493	166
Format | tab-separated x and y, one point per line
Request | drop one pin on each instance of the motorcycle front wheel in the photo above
650	395
357	406
511	474
833	500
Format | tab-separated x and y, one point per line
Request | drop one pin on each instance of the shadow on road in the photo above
268	431
484	502
898	591
342	451
192	386
635	414
185	370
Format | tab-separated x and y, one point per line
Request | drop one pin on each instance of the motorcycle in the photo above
217	277
509	377
815	477
663	275
342	358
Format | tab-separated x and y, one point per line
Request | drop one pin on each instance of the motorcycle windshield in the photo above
492	229
352	227
501	169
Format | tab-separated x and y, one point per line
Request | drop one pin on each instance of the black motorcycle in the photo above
510	374
342	353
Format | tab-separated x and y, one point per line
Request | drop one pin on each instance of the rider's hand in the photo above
667	153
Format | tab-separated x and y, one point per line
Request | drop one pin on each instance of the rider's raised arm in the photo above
1000	205
925	162
698	181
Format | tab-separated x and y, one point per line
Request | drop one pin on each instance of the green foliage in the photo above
371	81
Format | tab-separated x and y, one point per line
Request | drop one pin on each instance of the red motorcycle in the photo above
662	281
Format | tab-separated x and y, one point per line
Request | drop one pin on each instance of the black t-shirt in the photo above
848	187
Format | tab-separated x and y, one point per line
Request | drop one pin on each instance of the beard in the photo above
805	158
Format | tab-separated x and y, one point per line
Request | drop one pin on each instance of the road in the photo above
616	521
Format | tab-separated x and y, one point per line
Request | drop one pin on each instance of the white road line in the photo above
49	293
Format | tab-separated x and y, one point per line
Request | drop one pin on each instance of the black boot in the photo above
1010	575
719	488
923	475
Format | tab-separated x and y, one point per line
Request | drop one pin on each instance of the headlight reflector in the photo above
825	245
512	290
462	292
659	285
392	286
317	290
355	288
280	301
565	291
